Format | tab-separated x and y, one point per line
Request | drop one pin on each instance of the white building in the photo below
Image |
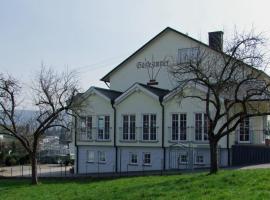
133	126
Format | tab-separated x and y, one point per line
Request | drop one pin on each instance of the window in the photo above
149	127
199	159
90	156
129	127
179	126
103	127
188	55
133	158
86	128
146	158
183	158
244	131
102	156
201	126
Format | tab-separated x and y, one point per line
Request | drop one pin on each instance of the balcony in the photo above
137	135
187	134
95	135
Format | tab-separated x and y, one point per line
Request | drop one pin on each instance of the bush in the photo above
10	161
24	160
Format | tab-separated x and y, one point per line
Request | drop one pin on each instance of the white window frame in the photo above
99	157
86	132
105	131
204	127
180	157
88	152
144	163
196	159
155	127
180	133
131	154
244	129
129	133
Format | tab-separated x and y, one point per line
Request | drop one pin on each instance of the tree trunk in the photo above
34	169
213	155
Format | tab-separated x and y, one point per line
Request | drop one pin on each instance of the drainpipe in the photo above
114	137
228	142
163	135
76	146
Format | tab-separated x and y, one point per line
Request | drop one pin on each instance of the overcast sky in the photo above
94	36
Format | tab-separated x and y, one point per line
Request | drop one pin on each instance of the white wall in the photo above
96	105
166	46
139	103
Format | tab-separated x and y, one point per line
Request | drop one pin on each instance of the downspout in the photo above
114	136
228	141
76	146
163	135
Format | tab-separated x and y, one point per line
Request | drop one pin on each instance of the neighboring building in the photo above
56	146
138	124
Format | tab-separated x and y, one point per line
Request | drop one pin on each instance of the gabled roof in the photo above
106	77
156	93
111	94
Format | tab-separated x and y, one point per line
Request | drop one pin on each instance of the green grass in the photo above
231	184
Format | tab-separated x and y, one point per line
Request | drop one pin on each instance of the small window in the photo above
183	158
146	158
102	156
199	159
90	156
133	158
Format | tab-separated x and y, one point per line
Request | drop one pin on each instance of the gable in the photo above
164	47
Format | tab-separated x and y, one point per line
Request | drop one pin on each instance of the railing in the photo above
138	135
251	136
186	134
95	134
129	135
149	135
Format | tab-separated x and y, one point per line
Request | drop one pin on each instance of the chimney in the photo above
216	40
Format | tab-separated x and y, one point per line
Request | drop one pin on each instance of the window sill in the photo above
133	164
102	162
147	165
86	140
90	162
200	164
183	163
129	141
243	142
149	141
176	141
103	140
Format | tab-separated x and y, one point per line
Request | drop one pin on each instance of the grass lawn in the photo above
231	184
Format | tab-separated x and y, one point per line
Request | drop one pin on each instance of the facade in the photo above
140	124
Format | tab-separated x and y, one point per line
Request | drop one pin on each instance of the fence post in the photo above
22	170
11	171
65	170
127	169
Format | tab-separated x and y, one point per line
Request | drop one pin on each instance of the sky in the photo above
93	36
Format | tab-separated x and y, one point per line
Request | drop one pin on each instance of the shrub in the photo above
10	161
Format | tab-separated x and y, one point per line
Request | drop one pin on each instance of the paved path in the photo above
259	166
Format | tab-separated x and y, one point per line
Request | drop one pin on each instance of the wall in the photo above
96	105
139	103
96	167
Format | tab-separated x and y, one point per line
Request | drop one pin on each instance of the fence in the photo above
47	170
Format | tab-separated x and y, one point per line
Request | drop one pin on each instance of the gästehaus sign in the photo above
151	64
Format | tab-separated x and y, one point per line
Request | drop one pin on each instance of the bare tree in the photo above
233	83
53	95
